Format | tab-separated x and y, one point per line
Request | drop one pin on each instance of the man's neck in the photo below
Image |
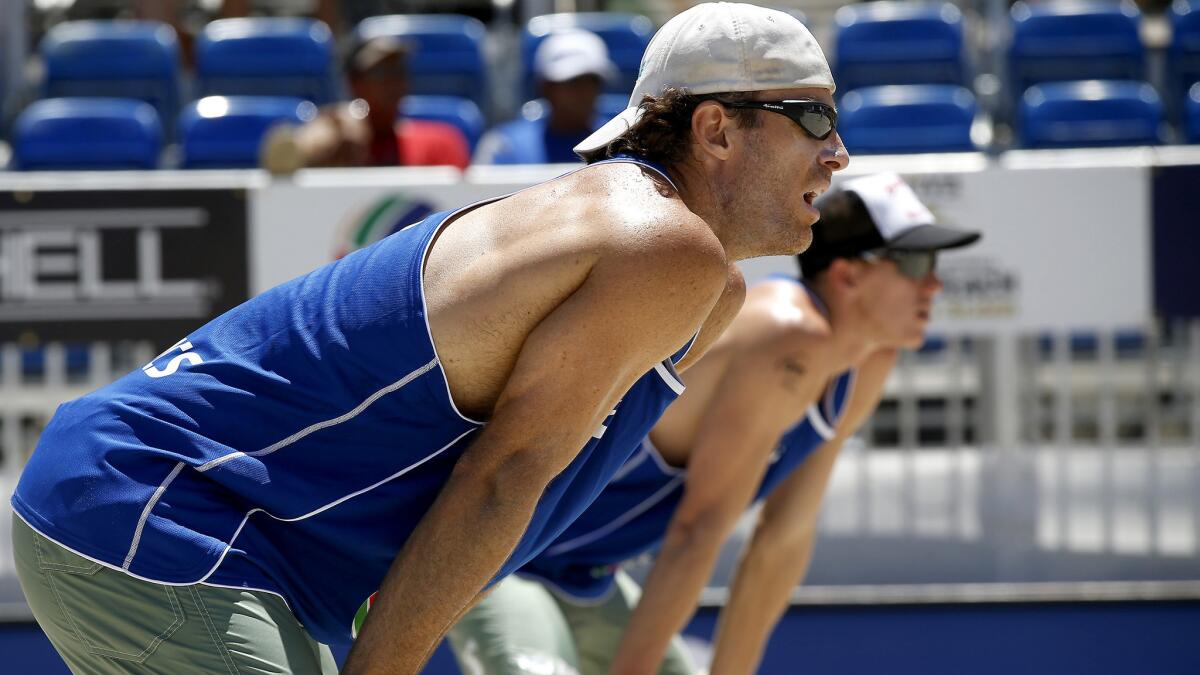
852	343
701	197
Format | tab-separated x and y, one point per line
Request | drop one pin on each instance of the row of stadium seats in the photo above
226	131
1076	69
213	132
295	57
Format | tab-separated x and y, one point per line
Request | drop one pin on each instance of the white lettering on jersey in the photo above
599	433
173	365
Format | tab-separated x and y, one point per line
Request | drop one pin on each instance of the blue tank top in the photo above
292	444
632	514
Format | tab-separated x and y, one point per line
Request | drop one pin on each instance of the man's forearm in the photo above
460	544
760	593
672	590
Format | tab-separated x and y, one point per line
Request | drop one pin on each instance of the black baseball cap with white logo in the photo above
876	212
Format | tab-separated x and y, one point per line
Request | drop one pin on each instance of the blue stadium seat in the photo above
226	131
1074	40
880	43
461	112
1090	113
87	133
445	52
1183	56
266	57
625	35
113	59
907	118
1191	115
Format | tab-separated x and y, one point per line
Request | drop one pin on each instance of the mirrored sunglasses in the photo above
817	119
912	264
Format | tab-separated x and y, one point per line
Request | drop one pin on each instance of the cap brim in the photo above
932	238
610	131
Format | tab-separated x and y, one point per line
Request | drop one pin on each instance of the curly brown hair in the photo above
664	131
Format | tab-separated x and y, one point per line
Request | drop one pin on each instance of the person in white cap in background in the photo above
764	416
571	68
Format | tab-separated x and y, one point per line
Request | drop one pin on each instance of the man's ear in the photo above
710	129
845	273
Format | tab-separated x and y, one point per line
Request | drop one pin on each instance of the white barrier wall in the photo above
1061	249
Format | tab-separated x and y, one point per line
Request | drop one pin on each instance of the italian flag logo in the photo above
361	615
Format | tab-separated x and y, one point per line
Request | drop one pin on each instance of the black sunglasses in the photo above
815	118
912	264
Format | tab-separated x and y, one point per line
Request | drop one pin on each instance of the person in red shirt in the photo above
366	131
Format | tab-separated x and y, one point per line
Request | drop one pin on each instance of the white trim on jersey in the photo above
668	374
818	422
328	506
150	504
616	523
313	428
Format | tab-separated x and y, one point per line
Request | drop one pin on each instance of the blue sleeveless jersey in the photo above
632	514
292	444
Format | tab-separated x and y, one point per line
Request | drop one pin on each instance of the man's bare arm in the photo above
781	547
572	369
758	397
722	314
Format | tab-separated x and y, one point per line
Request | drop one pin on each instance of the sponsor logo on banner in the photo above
977	288
377	219
119	264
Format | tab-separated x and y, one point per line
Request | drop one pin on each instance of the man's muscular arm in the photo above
781	546
760	395
634	309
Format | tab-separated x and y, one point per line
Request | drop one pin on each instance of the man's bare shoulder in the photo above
778	317
624	212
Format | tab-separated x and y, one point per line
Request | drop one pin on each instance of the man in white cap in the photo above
763	419
358	453
571	68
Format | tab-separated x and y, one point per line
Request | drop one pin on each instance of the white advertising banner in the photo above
1062	249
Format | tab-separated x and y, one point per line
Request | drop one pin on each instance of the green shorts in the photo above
522	628
103	621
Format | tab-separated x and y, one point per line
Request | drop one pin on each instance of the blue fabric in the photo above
113	59
1090	113
907	118
631	515
1082	40
292	444
266	56
524	141
1183	55
883	43
87	134
226	131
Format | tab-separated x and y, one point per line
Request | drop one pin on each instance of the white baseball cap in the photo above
898	221
722	47
565	55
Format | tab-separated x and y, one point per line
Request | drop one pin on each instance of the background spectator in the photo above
367	131
571	68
